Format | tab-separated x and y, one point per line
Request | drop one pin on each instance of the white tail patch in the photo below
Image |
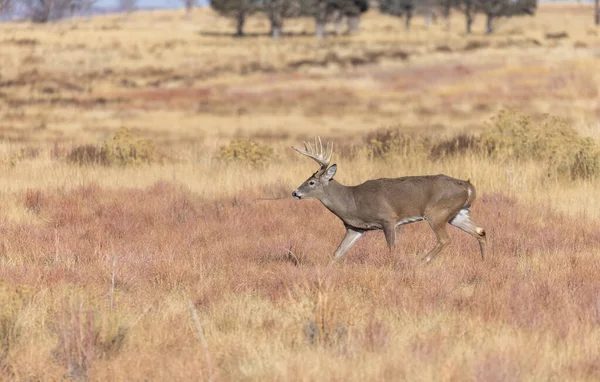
469	192
463	218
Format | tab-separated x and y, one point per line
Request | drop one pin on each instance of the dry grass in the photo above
189	80
98	261
273	305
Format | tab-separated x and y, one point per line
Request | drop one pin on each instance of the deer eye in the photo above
311	183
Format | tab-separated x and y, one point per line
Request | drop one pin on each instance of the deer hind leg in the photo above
439	227
389	229
463	221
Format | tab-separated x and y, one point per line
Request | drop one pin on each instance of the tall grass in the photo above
265	315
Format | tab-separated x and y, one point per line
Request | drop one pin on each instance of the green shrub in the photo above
246	152
512	135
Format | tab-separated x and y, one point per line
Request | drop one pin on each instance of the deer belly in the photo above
409	220
357	223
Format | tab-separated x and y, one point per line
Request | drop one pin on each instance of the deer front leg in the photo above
352	234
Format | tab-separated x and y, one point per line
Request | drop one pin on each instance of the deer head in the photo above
314	187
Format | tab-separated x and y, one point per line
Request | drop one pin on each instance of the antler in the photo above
317	153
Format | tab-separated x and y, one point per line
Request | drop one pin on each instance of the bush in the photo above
128	149
513	135
458	144
23	153
246	152
509	136
392	141
87	154
124	149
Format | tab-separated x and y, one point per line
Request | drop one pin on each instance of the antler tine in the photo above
322	157
321	144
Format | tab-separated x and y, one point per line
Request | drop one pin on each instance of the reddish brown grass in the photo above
538	282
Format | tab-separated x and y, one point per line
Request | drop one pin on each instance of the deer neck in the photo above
338	198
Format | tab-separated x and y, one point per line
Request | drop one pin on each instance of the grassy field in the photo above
105	265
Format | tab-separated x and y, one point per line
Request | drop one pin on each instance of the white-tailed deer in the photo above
387	203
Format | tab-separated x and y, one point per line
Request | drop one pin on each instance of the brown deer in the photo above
387	203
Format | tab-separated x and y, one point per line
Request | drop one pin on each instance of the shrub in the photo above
513	135
128	149
123	149
458	144
392	141
246	152
24	153
87	154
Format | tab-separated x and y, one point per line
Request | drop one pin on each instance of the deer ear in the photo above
330	172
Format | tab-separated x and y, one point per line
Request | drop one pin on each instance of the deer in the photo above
386	203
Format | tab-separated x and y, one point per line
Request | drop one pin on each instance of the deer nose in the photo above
294	194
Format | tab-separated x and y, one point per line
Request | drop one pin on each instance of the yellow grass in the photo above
258	271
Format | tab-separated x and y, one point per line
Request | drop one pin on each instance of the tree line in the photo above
323	11
336	11
43	11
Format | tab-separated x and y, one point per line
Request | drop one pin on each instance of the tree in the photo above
127	6
597	12
336	10
189	6
494	9
468	7
351	9
81	6
239	10
446	7
5	6
43	11
278	10
408	8
398	8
